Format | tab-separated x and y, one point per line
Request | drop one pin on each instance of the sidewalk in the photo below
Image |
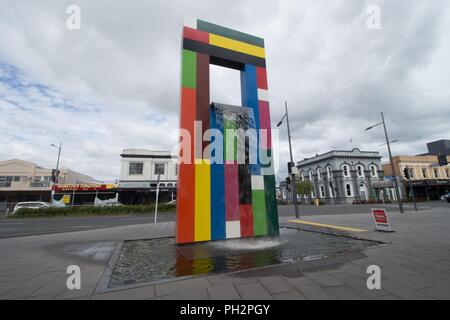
415	265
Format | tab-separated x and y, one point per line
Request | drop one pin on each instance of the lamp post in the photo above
291	172
56	176
57	162
400	204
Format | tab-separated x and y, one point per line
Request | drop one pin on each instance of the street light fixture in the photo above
57	162
400	204
291	172
394	141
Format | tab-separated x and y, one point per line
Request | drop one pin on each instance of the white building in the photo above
139	174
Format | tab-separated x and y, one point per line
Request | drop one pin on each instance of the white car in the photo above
31	205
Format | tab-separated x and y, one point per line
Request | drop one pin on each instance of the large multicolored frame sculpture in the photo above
230	200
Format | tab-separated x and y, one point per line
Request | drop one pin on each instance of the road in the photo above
27	227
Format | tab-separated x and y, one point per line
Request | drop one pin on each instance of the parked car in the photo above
446	197
31	205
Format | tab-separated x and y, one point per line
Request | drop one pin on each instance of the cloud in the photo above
114	84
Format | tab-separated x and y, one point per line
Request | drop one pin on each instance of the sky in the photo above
114	83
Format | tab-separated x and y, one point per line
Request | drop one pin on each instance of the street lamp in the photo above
291	172
57	162
400	204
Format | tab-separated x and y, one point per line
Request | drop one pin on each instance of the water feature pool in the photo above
161	259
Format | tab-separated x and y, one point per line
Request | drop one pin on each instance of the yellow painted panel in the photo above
235	45
202	200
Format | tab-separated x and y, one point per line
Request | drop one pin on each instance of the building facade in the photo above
340	177
140	171
428	180
26	181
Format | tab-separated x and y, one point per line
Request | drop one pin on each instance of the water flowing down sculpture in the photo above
226	191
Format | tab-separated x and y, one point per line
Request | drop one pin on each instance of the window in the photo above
5	182
136	168
159	168
373	171
303	176
37	179
322	192
348	189
346	171
329	172
319	174
424	173
310	175
447	173
436	173
332	190
360	170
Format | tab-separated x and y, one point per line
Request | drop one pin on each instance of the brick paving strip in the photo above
415	265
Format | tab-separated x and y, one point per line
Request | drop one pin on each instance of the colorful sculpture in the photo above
234	198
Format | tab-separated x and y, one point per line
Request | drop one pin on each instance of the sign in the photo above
81	187
381	220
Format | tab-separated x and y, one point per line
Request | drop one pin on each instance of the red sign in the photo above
381	220
79	187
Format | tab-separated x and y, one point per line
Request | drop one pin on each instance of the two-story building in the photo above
26	181
341	176
142	170
428	180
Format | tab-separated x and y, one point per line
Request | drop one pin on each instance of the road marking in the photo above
315	224
11	223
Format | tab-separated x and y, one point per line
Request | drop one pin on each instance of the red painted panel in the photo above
261	78
246	211
202	110
186	172
196	35
231	192
264	123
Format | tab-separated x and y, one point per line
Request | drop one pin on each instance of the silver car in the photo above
31	205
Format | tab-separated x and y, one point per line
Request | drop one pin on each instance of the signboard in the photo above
81	187
381	220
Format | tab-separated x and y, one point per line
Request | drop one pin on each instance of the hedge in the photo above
91	211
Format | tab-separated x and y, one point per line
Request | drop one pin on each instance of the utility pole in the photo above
408	176
57	162
157	198
291	172
397	192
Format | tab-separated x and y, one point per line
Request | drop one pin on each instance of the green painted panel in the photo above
229	33
271	206
230	140
189	69
259	213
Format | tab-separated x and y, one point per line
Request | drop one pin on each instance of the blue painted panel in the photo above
218	215
249	93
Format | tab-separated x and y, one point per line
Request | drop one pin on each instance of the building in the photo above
140	172
340	177
428	180
26	181
439	147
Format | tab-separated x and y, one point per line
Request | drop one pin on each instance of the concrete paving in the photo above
414	265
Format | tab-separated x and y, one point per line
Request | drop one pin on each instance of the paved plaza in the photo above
414	262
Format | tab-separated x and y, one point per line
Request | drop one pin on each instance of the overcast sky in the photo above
114	84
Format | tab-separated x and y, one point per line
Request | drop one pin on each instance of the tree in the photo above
304	187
